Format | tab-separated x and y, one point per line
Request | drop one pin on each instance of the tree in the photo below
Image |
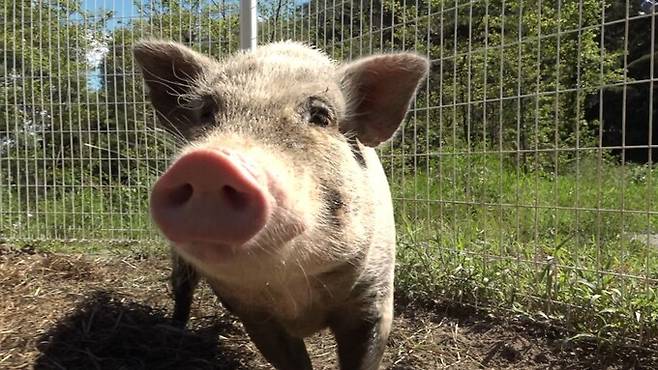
44	95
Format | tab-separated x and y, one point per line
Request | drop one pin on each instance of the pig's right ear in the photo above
379	90
170	70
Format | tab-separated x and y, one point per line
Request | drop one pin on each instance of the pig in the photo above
277	199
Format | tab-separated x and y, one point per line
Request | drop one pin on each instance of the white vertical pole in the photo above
248	35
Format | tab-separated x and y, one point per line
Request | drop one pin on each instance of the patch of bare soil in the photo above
86	312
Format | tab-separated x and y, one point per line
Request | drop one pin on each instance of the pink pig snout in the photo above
211	196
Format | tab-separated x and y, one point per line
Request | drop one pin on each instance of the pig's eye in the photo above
207	110
319	113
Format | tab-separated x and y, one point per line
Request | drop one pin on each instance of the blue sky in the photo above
121	8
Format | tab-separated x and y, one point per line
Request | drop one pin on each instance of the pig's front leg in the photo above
184	280
282	350
362	340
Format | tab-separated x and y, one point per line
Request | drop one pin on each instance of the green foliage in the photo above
509	75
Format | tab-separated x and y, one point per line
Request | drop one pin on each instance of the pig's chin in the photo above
267	243
282	228
207	252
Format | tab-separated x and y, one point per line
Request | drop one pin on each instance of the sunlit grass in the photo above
572	249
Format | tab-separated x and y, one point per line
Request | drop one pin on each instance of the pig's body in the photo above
278	203
303	293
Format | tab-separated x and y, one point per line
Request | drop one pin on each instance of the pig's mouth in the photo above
214	204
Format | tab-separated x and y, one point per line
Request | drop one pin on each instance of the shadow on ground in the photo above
108	332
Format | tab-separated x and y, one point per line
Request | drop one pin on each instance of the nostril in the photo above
237	200
180	195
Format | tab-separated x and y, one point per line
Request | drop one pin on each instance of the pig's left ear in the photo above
379	90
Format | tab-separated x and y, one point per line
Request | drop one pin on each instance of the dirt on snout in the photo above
91	312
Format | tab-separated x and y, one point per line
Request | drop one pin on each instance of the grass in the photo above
566	247
84	213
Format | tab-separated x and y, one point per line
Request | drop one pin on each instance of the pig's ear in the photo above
170	70
379	90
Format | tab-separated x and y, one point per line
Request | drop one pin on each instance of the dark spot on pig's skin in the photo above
356	151
335	205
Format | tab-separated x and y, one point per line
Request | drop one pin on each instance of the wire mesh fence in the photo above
523	177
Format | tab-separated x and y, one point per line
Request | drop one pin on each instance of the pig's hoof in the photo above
178	324
178	321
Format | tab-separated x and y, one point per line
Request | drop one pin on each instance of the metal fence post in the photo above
248	32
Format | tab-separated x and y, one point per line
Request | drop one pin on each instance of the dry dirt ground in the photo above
90	312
